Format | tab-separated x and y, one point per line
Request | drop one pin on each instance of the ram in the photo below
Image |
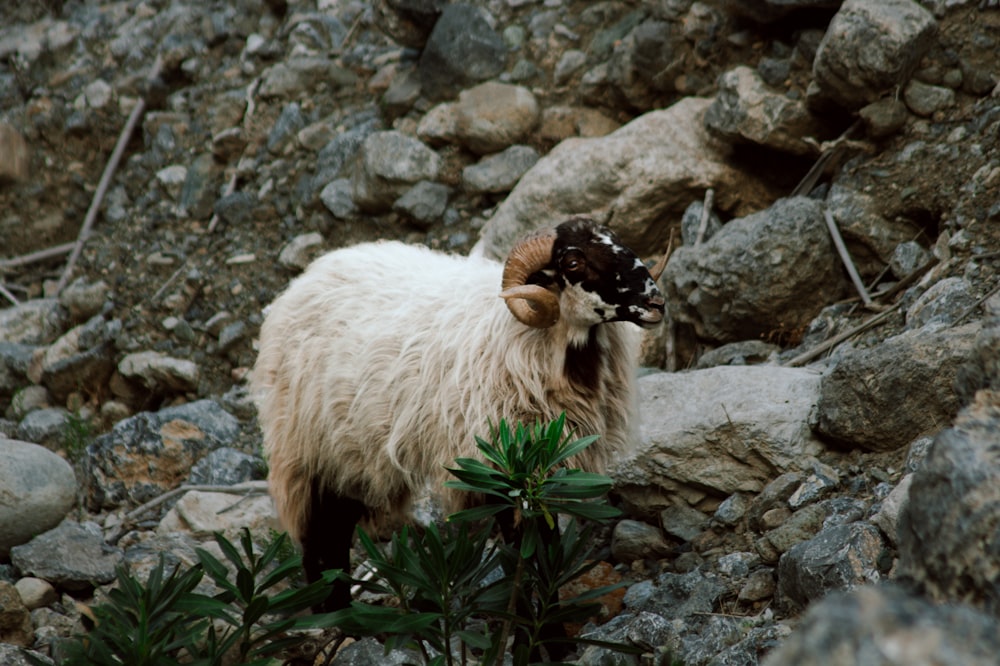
380	364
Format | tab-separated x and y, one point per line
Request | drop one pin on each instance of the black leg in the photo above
326	543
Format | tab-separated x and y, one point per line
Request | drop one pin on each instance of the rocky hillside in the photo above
817	471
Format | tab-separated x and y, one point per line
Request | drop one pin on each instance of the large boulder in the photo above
767	272
870	48
717	431
883	398
637	179
949	531
37	490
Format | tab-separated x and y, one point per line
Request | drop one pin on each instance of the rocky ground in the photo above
801	484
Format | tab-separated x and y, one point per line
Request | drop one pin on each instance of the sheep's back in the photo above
344	350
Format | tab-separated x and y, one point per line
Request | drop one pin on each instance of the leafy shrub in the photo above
449	607
164	621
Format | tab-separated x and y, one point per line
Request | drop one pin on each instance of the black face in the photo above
601	280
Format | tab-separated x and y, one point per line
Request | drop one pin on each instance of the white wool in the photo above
382	362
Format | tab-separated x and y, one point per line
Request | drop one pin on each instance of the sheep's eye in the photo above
573	263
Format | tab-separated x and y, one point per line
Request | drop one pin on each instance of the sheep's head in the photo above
581	272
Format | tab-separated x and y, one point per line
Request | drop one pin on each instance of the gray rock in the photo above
499	172
226	466
149	453
908	257
493	116
72	556
676	596
293	77
462	50
942	304
35	322
231	334
286	127
423	204
197	197
80	360
13	655
838	558
645	55
746	110
948	538
635	540
44	426
720	287
870	47
820	482
402	93
338	198
15	620
799	527
887	518
236	208
907	389
884	117
885	626
15	359
774	495
83	300
760	585
925	100
733	509
45	488
745	352
683	522
340	151
389	163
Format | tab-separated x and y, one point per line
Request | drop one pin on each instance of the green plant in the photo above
77	433
142	624
164	621
447	608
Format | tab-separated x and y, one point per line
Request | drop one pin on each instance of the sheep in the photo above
379	365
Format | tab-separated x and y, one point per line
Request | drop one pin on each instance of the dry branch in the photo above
845	257
706	211
837	339
102	186
34	257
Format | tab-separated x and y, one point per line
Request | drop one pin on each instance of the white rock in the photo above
719	431
202	513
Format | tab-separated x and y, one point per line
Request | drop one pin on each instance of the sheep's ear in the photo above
532	304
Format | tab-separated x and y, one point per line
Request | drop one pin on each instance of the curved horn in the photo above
532	304
657	270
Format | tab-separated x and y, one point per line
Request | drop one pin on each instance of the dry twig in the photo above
102	186
34	257
845	257
9	296
706	211
837	339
